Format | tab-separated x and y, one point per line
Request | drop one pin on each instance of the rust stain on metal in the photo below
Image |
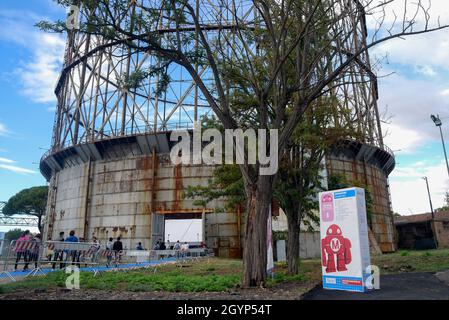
149	164
377	183
179	187
162	211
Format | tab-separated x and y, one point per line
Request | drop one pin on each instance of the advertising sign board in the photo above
345	252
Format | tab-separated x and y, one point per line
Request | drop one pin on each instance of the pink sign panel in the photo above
327	207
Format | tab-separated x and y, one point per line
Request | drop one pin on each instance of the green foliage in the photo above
404	253
227	181
282	277
137	281
54	27
137	78
299	175
13	234
174	281
279	235
31	201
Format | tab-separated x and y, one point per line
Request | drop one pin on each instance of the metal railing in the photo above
33	256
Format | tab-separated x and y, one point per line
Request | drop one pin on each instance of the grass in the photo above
217	275
410	260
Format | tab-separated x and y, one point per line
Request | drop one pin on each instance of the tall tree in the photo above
281	57
13	234
301	166
32	201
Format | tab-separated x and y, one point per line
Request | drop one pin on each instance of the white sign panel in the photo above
270	262
184	230
345	252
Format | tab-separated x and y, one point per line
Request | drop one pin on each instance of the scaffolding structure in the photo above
97	99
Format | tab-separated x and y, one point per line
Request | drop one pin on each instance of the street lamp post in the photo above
438	123
433	214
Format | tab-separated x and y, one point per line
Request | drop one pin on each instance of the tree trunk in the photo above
255	246
293	243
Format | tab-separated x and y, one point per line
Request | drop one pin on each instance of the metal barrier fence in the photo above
83	254
3	245
20	253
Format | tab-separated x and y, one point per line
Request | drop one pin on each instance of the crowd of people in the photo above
28	248
160	245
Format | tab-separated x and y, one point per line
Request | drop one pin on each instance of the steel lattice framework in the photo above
95	102
16	221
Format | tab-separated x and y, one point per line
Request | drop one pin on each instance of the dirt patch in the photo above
283	291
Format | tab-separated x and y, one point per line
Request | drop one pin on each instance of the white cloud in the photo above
394	12
6	160
429	51
409	192
410	102
425	70
39	73
39	76
16	169
400	138
3	130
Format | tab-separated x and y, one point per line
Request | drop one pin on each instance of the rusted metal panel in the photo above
376	180
125	192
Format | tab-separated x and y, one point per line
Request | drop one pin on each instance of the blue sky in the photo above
30	61
25	116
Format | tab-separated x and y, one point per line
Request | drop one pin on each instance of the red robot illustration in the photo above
335	245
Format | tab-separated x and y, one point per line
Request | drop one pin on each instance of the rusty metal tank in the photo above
127	187
369	166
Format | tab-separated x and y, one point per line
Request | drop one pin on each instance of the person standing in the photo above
109	246
74	253
35	248
94	249
59	254
139	246
177	248
21	249
117	248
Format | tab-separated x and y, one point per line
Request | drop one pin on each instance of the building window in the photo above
446	225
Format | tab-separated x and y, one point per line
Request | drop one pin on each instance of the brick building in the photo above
416	231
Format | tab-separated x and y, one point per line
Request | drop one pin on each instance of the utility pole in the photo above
433	214
438	123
